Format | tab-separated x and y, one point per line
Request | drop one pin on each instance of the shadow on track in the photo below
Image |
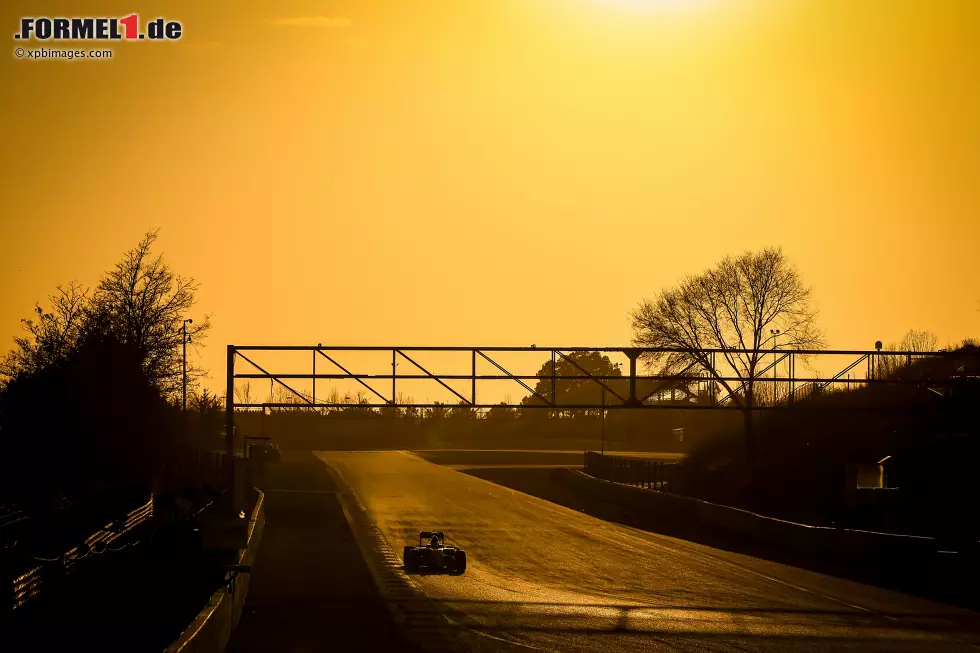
693	626
310	589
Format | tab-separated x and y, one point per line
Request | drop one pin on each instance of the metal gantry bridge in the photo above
705	379
709	380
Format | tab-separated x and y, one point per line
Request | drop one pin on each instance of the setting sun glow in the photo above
453	173
654	5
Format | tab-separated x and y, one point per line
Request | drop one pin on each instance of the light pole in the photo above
876	360
186	338
603	427
775	336
602	412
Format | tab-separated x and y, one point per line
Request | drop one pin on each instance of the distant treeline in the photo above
622	429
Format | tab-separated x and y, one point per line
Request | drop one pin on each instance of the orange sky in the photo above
502	172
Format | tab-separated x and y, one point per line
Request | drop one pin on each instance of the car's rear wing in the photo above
428	535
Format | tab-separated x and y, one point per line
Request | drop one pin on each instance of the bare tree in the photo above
919	341
142	302
287	395
52	336
734	305
885	365
243	394
913	341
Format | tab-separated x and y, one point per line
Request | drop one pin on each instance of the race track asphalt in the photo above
542	576
310	589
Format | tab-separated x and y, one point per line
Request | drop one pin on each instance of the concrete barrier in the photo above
211	630
848	545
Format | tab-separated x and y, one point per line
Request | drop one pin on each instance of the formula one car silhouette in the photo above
433	555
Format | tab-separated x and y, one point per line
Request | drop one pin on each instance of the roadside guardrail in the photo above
211	630
842	543
27	586
638	472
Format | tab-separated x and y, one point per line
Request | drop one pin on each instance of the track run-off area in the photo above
542	576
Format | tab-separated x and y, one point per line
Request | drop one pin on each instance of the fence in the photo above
29	585
638	472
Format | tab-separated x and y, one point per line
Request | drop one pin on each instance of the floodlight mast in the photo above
184	340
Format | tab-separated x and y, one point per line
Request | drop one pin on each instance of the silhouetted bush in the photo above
88	422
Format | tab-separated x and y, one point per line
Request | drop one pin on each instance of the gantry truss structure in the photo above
708	378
